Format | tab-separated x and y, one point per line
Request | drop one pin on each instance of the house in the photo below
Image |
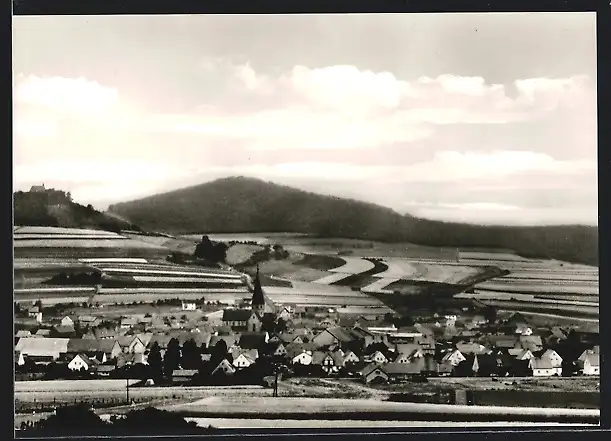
472	348
523	329
555	359
183	375
278	349
454	357
520	354
67	321
326	360
63	331
132	344
236	319
531	342
230	341
377	357
373	373
542	367
19	358
43	333
189	306
88	320
224	367
591	364
299	354
332	336
128	322
401	371
407	351
100	350
125	359
285	313
104	370
22	333
243	359
501	341
350	358
35	312
43	350
81	362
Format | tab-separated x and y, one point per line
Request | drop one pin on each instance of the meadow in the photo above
318	271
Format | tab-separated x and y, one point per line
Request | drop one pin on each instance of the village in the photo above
248	343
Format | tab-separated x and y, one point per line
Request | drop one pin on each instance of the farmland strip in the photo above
379	285
355	280
355	265
168	272
331	278
186	279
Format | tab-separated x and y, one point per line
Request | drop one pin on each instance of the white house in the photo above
67	321
303	358
351	358
225	367
555	359
409	357
591	364
280	350
378	357
454	357
80	362
521	354
242	361
189	306
542	367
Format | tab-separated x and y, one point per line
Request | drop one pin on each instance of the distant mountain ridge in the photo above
246	205
55	208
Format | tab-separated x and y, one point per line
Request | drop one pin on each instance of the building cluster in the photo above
310	342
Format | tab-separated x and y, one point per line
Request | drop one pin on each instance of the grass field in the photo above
329	408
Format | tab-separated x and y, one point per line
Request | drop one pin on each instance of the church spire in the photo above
258	298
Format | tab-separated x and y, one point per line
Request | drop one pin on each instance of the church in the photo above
251	320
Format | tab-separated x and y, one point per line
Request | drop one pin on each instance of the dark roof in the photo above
258	297
252	340
541	363
340	334
236	315
414	367
64	329
87	345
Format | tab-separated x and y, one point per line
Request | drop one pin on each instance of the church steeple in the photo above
258	297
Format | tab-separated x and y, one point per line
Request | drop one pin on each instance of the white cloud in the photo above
65	94
85	133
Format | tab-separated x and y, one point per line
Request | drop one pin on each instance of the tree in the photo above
281	325
155	362
171	360
191	357
490	314
218	351
38	304
72	419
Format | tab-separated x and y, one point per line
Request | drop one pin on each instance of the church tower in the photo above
258	303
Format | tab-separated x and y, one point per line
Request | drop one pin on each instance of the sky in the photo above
481	118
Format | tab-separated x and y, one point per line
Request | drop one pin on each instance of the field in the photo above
370	409
333	272
537	285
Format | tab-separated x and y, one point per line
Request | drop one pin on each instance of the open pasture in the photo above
489	295
319	408
60	230
533	288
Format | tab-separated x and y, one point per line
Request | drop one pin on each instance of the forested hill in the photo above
55	208
251	205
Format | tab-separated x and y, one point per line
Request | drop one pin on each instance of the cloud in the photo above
337	129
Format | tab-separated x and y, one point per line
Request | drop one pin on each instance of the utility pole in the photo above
275	380
127	389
